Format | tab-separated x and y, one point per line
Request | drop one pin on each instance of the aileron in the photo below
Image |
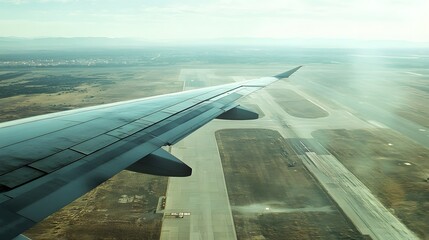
95	144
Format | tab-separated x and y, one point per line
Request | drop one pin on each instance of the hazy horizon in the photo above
382	20
19	44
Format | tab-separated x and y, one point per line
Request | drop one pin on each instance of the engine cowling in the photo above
161	163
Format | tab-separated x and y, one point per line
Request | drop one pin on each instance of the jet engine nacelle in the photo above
161	163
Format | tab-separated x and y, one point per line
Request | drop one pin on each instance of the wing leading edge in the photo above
48	161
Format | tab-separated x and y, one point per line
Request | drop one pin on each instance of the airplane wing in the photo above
48	161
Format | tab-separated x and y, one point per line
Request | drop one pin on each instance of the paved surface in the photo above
367	213
204	194
416	132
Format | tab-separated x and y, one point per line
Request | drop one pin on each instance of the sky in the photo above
400	20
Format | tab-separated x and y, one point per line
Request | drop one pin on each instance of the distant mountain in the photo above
16	44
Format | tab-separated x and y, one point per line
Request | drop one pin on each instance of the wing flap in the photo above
19	176
57	161
95	144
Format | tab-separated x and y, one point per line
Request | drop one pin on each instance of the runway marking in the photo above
367	213
415	74
263	208
377	124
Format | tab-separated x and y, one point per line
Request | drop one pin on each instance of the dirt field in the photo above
393	167
105	86
121	208
271	199
296	105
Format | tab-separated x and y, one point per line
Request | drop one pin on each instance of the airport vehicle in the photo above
48	161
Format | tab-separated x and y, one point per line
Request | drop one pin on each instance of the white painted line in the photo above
415	74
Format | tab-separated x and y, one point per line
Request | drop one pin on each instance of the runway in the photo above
377	114
366	212
204	194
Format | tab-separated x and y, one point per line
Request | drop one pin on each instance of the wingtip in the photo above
287	73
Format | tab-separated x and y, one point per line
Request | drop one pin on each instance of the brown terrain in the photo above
393	167
271	193
121	208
